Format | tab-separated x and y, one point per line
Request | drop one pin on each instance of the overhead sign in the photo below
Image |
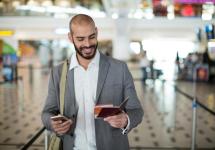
194	1
6	32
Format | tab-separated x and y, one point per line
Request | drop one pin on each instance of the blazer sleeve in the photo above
51	107
133	107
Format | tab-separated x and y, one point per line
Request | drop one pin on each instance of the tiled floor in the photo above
20	108
167	122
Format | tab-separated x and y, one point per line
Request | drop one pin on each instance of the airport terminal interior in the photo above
168	45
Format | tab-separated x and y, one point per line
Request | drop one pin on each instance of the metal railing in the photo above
197	101
34	138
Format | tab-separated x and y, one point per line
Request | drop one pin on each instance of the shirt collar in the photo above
74	61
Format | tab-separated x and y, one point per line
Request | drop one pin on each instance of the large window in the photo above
164	52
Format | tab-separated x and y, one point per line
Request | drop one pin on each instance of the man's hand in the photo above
117	121
61	127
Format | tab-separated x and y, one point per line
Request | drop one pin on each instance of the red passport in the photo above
102	111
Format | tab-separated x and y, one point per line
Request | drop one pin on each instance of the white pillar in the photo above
121	47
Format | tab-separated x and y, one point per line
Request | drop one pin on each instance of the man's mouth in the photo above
87	50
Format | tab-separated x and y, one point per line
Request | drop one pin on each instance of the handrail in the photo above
34	138
197	101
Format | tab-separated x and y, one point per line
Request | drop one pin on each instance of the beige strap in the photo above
55	141
62	86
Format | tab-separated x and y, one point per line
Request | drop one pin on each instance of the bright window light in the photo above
170	16
163	52
149	16
115	16
206	16
211	49
61	15
62	31
135	47
138	14
166	49
38	9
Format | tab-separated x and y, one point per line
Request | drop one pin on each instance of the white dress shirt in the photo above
85	93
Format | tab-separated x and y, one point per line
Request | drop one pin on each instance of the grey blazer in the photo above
115	83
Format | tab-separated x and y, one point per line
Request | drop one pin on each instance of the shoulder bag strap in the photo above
62	86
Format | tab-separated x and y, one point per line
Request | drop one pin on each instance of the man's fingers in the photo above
56	122
61	127
117	121
117	124
68	122
112	118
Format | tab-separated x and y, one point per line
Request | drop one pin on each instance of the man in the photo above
92	79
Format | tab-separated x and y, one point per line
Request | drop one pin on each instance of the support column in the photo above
121	47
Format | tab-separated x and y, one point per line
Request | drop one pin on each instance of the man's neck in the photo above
83	62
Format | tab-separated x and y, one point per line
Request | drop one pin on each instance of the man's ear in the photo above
70	37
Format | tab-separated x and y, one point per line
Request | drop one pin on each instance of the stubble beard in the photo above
79	51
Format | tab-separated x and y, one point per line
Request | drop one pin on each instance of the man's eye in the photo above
80	39
92	37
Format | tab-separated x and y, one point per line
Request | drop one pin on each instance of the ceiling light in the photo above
32	3
47	3
1	4
16	3
63	3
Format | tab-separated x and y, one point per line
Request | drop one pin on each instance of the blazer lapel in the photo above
103	70
70	94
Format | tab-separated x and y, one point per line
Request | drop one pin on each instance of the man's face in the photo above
84	39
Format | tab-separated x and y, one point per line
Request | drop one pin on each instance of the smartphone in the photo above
59	117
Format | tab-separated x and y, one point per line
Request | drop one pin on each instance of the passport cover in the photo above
102	111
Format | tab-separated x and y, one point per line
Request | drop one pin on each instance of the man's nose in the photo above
87	43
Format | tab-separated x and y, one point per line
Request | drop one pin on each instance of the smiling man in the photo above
92	79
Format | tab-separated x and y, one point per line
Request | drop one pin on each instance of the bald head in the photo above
80	20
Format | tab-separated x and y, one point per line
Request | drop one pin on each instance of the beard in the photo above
80	51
